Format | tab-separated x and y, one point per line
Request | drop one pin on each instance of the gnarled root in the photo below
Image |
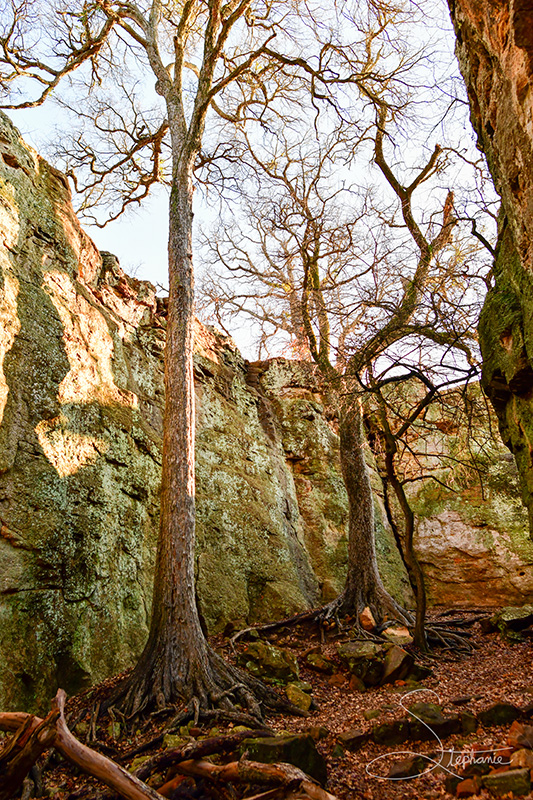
209	684
382	605
33	735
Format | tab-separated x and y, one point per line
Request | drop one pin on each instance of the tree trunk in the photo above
177	664
413	566
175	659
363	583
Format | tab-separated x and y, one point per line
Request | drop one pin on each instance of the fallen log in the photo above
89	761
195	750
22	751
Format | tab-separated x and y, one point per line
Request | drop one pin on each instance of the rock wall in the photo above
472	534
81	396
495	52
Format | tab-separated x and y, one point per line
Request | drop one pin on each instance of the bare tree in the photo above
332	282
196	51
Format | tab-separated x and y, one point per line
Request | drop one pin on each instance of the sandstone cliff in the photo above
81	395
495	52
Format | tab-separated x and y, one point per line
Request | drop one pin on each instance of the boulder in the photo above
366	619
469	722
298	698
390	733
520	735
408	768
269	662
468	787
397	665
498	714
517	781
478	767
513	618
353	739
356	684
318	732
363	659
429	722
319	663
299	750
398	634
420	672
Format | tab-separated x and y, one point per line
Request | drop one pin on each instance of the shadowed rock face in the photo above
495	52
81	398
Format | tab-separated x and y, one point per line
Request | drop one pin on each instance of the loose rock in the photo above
298	698
408	768
299	750
517	781
388	733
498	714
353	739
366	618
269	662
397	665
364	659
319	663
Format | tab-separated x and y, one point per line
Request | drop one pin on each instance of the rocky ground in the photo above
477	710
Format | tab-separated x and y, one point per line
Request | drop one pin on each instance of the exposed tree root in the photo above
33	735
333	612
296	782
439	633
195	750
205	684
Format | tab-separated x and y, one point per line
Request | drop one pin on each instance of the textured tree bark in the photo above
364	586
177	664
413	566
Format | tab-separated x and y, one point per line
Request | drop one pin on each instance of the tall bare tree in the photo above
336	286
200	53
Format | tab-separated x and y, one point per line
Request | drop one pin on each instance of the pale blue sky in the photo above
139	239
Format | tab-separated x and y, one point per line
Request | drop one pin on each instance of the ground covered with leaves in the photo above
359	730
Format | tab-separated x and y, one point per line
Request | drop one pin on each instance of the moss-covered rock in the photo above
299	750
363	659
269	662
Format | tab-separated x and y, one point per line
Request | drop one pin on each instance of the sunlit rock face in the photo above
80	409
495	52
81	399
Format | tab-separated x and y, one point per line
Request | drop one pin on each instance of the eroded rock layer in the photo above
495	52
